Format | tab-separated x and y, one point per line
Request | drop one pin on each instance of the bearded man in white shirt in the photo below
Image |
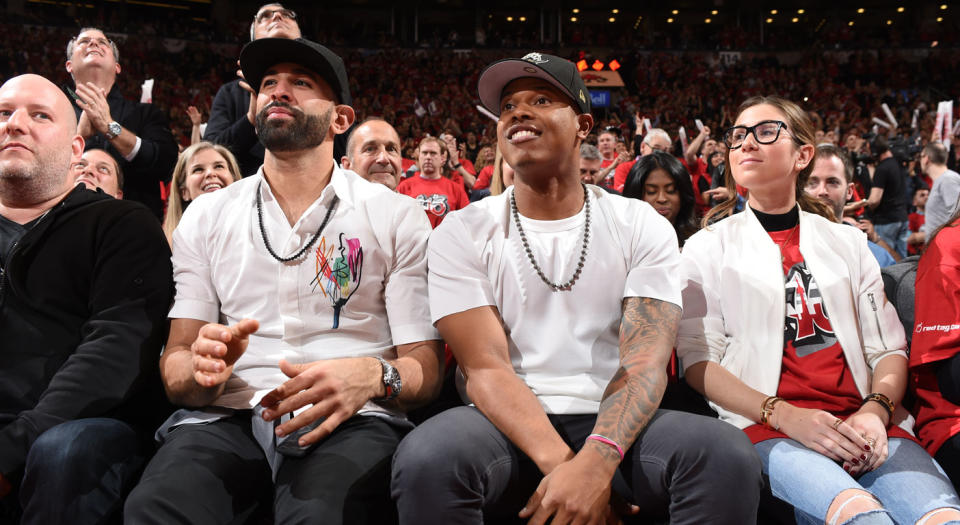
300	331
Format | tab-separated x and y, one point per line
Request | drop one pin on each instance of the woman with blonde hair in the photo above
787	332
202	168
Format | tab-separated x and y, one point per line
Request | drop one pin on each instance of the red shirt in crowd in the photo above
915	220
620	174
437	196
936	336
814	373
484	178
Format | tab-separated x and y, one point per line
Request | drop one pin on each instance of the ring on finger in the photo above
836	423
871	441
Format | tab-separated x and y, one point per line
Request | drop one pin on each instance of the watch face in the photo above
114	129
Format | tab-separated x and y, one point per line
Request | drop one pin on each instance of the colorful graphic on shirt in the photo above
338	278
436	203
807	323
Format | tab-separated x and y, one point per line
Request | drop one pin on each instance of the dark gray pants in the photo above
457	468
217	473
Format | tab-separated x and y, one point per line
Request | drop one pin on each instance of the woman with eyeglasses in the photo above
788	334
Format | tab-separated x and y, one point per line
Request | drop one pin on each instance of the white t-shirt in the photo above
564	345
358	291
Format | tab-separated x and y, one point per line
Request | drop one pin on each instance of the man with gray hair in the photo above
944	195
234	108
135	134
655	140
590	161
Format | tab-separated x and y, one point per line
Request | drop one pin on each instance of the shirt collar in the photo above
339	185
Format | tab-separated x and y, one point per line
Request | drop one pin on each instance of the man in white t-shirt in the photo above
300	331
561	305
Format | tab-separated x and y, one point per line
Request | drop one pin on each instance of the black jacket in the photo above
229	127
158	150
83	304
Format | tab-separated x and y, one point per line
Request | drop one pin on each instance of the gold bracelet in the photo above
766	410
884	402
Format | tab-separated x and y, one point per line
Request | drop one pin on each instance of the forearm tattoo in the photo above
647	334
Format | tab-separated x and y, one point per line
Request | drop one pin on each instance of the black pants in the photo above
948	456
217	473
457	468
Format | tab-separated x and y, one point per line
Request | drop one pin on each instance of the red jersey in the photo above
620	174
437	196
484	178
936	336
814	372
914	221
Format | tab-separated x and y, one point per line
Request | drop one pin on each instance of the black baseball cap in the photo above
560	72
263	53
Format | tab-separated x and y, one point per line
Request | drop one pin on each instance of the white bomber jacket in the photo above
734	302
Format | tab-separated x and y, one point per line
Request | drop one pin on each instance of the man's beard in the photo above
304	132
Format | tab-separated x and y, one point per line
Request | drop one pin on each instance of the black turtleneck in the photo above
780	221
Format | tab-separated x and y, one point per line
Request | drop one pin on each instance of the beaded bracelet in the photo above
608	441
884	402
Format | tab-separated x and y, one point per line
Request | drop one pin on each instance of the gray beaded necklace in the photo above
556	287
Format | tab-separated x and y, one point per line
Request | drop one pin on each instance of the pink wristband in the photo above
608	441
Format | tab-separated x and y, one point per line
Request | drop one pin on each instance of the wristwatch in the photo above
391	380
113	130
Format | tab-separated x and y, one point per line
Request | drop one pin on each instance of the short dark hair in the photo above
829	150
116	165
879	146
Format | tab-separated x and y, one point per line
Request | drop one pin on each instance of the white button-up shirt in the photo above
359	290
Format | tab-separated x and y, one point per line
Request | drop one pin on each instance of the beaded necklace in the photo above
556	287
263	232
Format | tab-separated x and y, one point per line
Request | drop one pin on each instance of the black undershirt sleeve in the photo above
948	378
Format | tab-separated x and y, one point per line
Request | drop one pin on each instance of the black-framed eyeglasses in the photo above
766	132
267	14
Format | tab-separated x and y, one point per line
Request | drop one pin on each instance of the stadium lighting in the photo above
523	19
675	12
794	20
707	20
900	9
943	7
850	23
769	20
889	22
573	19
801	11
611	19
773	11
615	11
582	65
714	12
860	11
509	19
597	65
939	19
614	65
669	20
